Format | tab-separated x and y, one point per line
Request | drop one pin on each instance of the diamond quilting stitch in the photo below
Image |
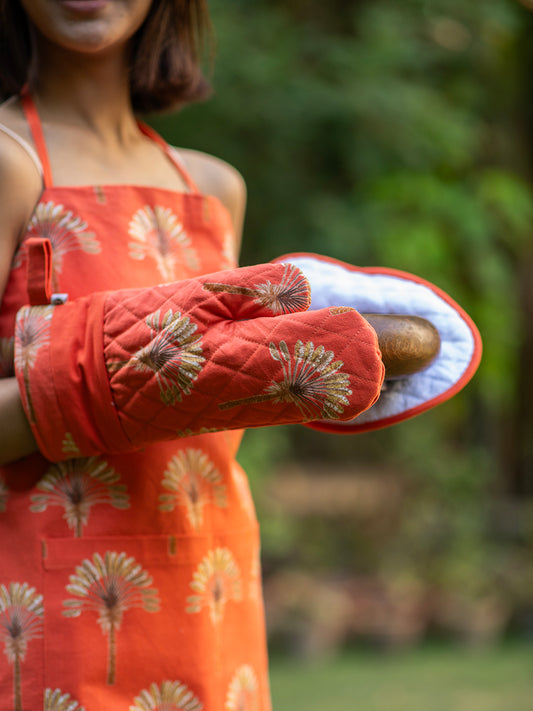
309	384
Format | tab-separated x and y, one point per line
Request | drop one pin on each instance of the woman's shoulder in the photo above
18	160
212	175
215	176
20	179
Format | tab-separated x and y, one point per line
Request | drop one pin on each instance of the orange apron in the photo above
131	581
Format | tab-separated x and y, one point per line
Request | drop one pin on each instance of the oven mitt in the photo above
115	371
387	291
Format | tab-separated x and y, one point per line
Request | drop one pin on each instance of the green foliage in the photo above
390	133
371	132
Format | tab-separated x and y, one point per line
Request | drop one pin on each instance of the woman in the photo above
131	578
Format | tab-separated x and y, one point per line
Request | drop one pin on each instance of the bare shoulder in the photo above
20	179
214	176
20	188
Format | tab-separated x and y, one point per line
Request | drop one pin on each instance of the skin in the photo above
82	96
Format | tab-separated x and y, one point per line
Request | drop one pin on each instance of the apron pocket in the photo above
123	613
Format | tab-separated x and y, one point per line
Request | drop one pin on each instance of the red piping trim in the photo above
36	130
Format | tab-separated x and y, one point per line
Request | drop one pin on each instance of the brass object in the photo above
408	344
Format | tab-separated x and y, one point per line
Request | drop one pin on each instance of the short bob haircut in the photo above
165	62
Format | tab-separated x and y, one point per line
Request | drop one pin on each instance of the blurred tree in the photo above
397	134
519	439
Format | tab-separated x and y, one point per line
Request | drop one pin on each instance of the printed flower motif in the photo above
21	613
173	354
55	700
110	586
216	582
255	577
32	332
290	295
194	482
77	485
243	489
229	250
7	354
69	446
312	381
242	692
315	381
157	233
168	696
187	432
66	232
4	493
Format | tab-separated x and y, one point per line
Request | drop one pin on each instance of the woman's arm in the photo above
20	187
16	438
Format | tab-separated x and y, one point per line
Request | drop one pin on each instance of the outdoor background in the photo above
398	565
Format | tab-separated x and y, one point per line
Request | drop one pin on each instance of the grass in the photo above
432	678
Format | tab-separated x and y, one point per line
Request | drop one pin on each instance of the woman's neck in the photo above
86	92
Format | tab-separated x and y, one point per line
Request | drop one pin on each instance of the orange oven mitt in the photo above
115	371
377	291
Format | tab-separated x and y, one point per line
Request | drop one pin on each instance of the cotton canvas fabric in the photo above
128	581
118	370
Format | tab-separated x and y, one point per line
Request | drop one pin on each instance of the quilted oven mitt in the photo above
376	290
117	370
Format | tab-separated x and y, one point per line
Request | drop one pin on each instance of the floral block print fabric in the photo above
127	581
118	370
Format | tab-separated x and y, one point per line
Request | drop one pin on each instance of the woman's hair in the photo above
166	54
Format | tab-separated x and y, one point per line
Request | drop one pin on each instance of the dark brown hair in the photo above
166	54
